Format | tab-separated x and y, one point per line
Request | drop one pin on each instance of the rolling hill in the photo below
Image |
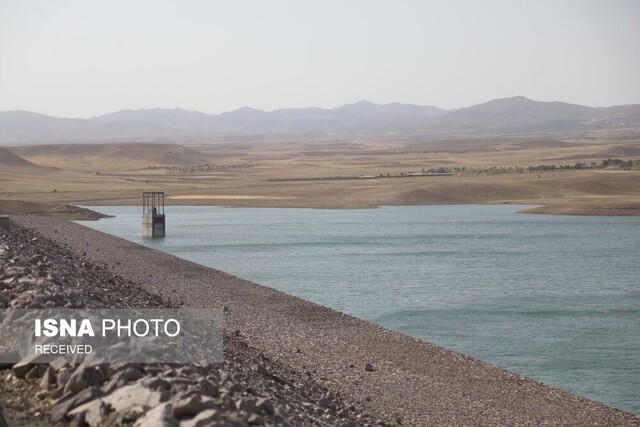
112	155
515	112
11	161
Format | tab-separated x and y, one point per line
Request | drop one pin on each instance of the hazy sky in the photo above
85	58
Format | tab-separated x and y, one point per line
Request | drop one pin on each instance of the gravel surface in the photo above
248	388
396	378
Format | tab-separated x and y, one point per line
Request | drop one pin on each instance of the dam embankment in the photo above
396	378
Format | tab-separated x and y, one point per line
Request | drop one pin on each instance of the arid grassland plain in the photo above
586	173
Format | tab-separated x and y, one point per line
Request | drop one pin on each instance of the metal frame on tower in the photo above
153	219
153	200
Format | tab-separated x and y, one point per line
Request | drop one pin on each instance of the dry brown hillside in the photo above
9	160
120	155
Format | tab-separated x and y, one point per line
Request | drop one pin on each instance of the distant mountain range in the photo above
353	121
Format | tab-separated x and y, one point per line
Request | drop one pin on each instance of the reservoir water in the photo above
553	298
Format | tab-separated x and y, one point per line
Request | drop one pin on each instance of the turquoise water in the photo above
554	298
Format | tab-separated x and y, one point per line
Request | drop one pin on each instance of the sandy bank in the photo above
223	197
412	381
616	208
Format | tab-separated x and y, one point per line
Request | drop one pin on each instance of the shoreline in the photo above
84	211
565	193
531	208
422	383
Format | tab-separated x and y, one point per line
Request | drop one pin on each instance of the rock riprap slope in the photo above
248	388
396	378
